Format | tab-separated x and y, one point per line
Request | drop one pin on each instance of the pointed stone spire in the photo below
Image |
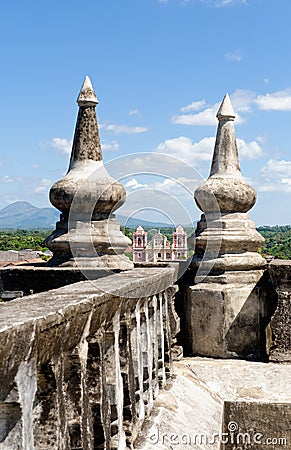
87	197
86	144
225	158
223	307
225	111
225	190
87	95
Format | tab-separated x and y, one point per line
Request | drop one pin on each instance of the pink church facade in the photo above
159	248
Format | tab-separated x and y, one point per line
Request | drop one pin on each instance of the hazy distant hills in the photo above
24	215
134	223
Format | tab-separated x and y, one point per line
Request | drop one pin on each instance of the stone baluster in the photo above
96	381
161	340
156	344
128	378
114	385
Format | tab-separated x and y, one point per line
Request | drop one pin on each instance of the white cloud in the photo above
216	3
194	106
8	179
43	186
62	145
172	198
277	168
135	112
220	3
124	129
278	101
110	146
203	118
206	117
261	139
134	184
177	187
185	149
235	56
242	100
249	150
276	176
130	166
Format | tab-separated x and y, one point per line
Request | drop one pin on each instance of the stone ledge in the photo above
210	396
280	273
133	284
40	278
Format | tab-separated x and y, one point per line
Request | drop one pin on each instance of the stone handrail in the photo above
81	365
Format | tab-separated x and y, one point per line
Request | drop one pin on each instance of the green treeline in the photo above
23	239
277	239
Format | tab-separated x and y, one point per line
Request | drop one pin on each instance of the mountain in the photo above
24	215
134	223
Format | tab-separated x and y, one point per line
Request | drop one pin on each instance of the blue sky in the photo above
159	68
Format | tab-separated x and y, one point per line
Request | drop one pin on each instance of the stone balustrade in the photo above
280	324
81	365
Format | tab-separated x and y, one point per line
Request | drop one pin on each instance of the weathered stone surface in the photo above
280	325
40	278
229	325
263	425
229	235
87	197
224	309
248	402
232	194
81	365
87	188
225	198
225	190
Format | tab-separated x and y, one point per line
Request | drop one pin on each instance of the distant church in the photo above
159	248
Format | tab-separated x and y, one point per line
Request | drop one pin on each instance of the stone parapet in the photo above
81	365
280	325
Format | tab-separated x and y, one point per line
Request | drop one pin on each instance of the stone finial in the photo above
224	313
86	168
87	95
87	196
225	158
86	144
225	190
225	111
225	198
